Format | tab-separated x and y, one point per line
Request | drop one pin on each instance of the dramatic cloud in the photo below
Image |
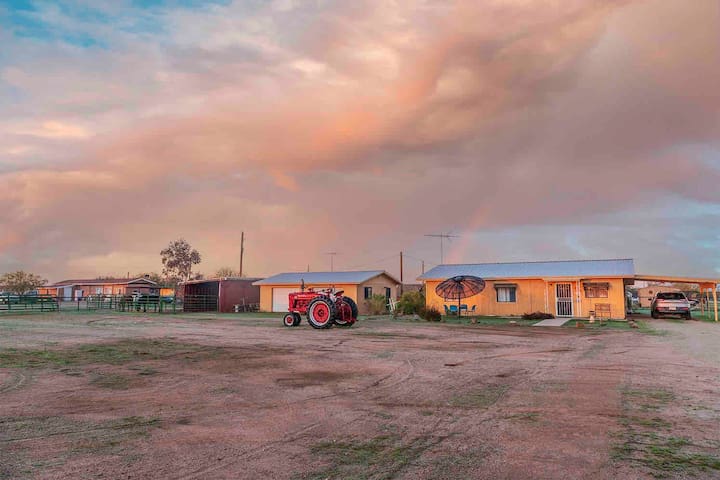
535	130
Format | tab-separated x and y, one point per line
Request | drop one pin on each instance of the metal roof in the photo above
101	281
221	279
327	278
565	268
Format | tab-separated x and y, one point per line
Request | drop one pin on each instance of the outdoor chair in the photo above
472	310
453	310
602	311
463	309
447	310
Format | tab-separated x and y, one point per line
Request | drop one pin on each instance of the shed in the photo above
358	285
222	294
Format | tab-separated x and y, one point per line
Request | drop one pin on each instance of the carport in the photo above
706	285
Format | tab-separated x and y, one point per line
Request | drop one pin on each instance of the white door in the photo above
280	298
564	300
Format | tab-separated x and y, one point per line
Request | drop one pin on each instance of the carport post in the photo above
715	300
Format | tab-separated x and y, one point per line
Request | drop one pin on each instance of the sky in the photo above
531	130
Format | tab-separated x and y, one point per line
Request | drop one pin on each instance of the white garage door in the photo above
280	299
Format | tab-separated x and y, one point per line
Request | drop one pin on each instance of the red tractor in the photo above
323	308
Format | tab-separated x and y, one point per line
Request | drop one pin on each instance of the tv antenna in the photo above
332	257
442	236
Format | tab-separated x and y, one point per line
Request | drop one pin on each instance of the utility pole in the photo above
401	268
423	267
442	236
332	256
242	252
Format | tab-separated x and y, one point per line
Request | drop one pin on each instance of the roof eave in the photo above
536	277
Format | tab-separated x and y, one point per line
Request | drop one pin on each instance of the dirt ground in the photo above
216	397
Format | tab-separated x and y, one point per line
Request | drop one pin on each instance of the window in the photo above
596	290
388	292
98	290
506	294
368	292
671	296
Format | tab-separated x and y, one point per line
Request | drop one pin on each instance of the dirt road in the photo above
116	396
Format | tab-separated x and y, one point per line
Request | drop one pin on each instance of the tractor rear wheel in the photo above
320	313
297	319
353	310
289	320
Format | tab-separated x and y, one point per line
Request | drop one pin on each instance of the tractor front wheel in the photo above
289	320
297	319
320	313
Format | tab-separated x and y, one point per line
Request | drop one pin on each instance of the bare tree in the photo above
178	259
21	282
226	272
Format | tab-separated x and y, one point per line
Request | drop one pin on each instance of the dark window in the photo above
671	296
368	292
505	294
388	293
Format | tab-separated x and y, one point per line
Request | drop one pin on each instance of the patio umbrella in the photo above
462	286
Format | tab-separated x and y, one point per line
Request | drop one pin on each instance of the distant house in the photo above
220	294
360	286
82	288
563	288
646	294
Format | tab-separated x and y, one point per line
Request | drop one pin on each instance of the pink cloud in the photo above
361	127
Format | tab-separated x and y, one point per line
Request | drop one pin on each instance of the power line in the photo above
369	264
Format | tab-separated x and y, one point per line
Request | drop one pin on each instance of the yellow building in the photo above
360	286
562	288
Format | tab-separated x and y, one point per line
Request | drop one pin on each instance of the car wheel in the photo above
654	314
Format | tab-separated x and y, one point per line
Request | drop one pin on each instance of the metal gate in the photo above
564	300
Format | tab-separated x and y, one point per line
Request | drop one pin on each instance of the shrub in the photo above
410	303
377	304
537	316
431	314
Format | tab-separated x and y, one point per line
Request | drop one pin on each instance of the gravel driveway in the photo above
698	339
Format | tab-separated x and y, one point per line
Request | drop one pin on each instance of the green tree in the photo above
410	303
225	272
178	259
377	304
21	282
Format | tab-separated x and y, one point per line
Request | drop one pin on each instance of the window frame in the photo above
511	294
596	291
368	292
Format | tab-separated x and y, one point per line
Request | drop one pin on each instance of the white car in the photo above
670	303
